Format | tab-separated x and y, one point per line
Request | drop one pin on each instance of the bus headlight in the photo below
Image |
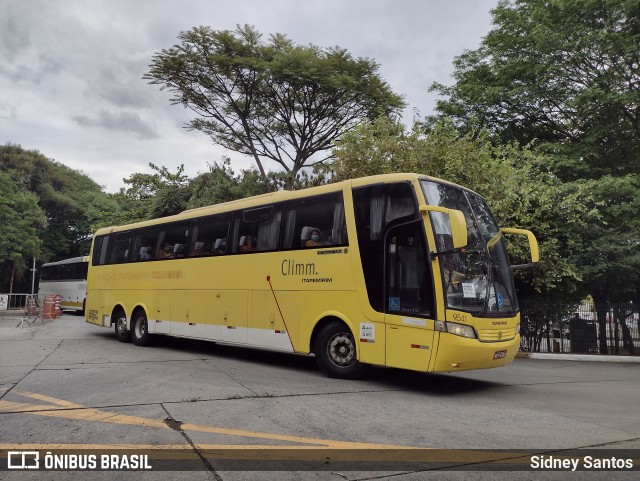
461	330
518	329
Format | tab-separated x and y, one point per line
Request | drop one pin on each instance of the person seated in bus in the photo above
207	249
166	252
315	239
250	244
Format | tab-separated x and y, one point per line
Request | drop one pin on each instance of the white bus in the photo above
67	278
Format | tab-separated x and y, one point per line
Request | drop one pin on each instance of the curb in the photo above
578	357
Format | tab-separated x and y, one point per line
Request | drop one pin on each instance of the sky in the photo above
71	71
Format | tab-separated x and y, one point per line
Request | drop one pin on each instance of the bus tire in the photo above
140	329
336	354
122	333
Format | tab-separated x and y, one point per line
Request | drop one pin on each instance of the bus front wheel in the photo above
122	333
336	354
139	329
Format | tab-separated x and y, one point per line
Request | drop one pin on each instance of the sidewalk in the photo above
577	357
10	324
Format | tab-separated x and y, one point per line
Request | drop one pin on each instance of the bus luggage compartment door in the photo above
409	346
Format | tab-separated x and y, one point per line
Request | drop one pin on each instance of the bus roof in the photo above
273	197
72	260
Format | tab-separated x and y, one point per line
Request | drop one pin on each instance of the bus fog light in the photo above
461	330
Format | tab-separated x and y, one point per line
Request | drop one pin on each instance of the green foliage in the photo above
22	220
221	184
609	257
270	99
512	179
70	200
158	194
564	75
46	211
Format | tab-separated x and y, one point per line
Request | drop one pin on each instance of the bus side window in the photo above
143	244
258	230
172	240
121	248
210	235
321	217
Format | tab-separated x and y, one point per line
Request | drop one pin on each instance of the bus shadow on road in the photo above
384	378
428	383
264	357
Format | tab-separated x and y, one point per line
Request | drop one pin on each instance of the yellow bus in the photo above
399	270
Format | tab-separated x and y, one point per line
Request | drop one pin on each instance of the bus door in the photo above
408	292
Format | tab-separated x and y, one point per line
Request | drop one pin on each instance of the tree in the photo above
70	200
154	195
221	184
270	99
565	73
21	219
519	192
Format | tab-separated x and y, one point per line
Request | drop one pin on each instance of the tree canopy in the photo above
47	209
22	220
565	76
519	193
271	99
565	73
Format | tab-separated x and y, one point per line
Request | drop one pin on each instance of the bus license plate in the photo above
500	355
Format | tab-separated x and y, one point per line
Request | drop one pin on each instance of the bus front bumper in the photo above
456	353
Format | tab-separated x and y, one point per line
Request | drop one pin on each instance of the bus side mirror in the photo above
456	220
533	244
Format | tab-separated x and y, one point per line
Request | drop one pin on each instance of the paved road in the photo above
71	384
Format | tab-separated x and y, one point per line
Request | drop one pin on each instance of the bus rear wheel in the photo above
122	333
336	353
139	329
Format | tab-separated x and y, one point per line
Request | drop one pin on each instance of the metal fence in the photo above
13	302
582	328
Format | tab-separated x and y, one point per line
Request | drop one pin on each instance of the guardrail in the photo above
13	301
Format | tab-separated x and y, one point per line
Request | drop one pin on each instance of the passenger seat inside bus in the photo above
179	250
220	247
145	253
198	249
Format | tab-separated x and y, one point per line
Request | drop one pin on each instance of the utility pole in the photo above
33	275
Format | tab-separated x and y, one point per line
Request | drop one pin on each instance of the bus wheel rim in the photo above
140	328
342	350
121	325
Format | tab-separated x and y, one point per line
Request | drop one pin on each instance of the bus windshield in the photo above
477	279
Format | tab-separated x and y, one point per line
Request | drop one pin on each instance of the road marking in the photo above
69	410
